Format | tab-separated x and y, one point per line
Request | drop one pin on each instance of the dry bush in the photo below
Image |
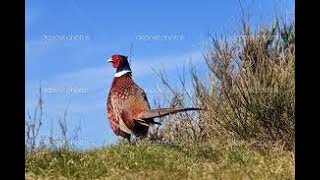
182	127
34	141
33	124
249	93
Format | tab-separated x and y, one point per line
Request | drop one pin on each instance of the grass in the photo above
146	160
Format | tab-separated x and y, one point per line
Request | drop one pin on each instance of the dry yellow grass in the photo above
146	160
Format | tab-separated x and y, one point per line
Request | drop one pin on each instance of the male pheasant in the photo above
128	108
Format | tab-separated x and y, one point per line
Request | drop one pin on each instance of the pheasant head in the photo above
120	63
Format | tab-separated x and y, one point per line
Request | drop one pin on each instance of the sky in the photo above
67	43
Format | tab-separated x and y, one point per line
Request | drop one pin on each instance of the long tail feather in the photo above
146	123
154	113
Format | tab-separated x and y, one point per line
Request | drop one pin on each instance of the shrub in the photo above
249	92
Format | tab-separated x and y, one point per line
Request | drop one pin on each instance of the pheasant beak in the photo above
110	60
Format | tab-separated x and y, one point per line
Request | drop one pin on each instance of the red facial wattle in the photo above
116	61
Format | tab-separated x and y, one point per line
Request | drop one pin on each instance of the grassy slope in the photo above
159	161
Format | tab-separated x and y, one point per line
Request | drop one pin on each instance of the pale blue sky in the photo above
67	42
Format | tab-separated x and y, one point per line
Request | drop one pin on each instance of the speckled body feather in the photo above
127	100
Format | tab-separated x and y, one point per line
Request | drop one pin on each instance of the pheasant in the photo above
128	108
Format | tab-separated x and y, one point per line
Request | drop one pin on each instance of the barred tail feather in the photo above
154	113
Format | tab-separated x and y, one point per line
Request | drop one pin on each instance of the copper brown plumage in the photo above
128	108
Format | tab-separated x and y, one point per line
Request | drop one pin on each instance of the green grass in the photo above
236	160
